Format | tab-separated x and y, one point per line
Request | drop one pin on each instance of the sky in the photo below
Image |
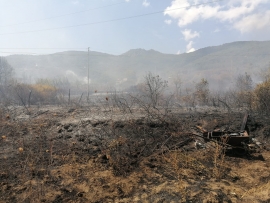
116	26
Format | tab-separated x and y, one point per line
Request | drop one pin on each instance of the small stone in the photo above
60	136
71	110
68	136
70	129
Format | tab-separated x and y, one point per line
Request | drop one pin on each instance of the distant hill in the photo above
219	64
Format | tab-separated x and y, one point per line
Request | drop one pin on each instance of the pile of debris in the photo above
240	140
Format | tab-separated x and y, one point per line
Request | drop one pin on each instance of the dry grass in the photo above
134	160
254	191
220	166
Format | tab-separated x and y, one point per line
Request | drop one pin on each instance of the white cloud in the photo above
168	22
190	48
233	12
188	34
75	2
217	30
253	22
238	9
189	15
146	3
127	0
178	52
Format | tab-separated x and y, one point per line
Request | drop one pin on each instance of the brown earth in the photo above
93	155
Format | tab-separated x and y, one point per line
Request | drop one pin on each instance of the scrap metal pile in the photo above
232	140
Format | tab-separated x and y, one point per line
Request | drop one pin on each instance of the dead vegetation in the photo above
146	154
131	148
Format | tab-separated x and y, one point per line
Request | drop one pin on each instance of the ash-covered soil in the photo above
59	154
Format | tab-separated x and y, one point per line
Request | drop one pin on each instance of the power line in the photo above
113	20
45	48
4	52
58	16
78	49
62	54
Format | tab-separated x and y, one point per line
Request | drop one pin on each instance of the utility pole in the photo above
88	77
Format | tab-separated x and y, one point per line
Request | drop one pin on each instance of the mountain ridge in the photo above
218	64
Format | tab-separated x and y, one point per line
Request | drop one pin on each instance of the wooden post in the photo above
68	96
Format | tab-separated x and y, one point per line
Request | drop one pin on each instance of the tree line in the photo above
153	91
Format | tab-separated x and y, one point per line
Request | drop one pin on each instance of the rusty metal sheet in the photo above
233	139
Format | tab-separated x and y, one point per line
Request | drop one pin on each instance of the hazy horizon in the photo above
195	38
86	51
220	65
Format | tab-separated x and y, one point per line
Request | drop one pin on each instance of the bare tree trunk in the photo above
29	98
68	96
